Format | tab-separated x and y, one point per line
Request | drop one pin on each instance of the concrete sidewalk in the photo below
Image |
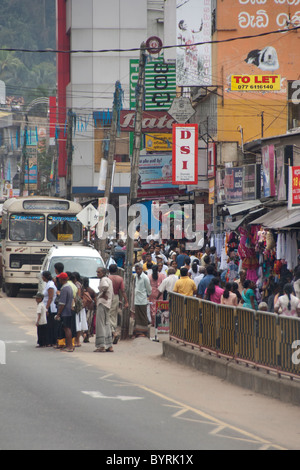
257	380
137	352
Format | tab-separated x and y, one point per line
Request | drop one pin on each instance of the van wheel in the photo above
11	290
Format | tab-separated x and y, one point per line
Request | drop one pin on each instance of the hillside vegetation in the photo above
27	24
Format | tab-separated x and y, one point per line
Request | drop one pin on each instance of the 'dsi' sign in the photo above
185	154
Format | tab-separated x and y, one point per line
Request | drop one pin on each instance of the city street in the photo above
133	399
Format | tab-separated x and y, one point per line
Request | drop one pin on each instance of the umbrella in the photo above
176	214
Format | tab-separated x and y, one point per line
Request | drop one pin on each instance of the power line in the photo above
136	49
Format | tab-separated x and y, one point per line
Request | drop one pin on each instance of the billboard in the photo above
193	60
264	59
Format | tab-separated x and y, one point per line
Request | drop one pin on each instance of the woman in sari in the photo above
248	295
156	278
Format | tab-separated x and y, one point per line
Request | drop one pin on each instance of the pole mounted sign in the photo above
181	109
185	154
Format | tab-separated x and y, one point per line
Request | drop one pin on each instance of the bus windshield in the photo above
26	227
63	229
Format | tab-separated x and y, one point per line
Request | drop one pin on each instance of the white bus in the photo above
30	226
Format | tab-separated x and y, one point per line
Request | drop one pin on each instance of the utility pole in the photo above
69	154
135	160
262	124
117	106
23	158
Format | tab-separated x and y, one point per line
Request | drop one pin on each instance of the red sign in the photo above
296	185
152	121
185	154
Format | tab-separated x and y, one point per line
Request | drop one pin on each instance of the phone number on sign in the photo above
255	87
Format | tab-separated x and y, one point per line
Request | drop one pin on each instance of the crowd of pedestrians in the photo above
162	268
70	310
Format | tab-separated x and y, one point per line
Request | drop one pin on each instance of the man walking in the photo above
119	292
141	293
103	330
65	309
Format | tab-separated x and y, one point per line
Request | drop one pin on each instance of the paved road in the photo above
129	400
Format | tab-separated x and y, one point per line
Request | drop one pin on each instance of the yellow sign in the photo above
211	192
255	82
159	143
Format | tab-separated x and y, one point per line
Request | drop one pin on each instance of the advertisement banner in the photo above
255	82
233	185
268	167
162	316
155	172
193	60
185	154
249	182
220	189
159	142
281	174
294	187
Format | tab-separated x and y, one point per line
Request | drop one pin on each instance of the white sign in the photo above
89	216
181	109
185	154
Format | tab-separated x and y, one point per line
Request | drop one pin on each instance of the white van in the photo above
82	259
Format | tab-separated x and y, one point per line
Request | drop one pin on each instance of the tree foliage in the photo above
27	24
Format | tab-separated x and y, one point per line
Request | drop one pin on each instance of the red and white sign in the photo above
152	121
185	154
294	189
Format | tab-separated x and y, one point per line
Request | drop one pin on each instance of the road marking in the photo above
15	342
218	423
16	308
119	397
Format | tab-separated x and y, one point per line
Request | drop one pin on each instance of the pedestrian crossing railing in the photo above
261	339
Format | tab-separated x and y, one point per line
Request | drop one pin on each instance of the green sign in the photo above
160	84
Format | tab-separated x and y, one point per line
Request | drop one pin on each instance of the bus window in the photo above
26	227
63	229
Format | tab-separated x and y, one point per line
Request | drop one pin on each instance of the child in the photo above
41	321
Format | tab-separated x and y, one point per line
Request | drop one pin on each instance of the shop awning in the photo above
243	207
278	218
234	225
292	217
267	220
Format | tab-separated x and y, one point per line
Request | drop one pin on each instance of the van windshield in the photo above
86	266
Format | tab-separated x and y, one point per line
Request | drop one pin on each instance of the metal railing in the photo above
265	340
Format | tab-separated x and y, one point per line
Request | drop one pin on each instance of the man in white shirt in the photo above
104	339
168	283
141	293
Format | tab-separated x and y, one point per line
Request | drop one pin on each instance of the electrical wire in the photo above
135	49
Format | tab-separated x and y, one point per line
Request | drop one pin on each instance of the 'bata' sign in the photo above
152	121
185	154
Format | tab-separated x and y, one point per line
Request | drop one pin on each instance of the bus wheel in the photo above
11	290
